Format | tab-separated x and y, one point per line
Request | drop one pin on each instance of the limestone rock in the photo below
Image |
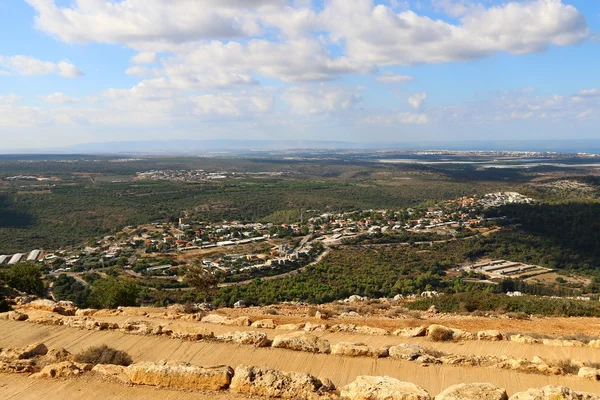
553	393
439	333
310	327
239	304
470	391
137	327
86	312
264	324
17	366
589	373
239	321
369	330
215	319
382	388
24	353
524	339
270	383
116	372
17	316
290	327
458	334
411	332
406	351
350	349
58	355
302	341
257	339
180	376
432	310
45	305
490	335
65	369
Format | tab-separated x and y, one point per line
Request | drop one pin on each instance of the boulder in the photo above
24	353
58	355
310	327
524	339
553	393
382	388
45	305
65	369
406	351
18	366
369	330
239	321
286	385
356	298
257	339
470	391
411	332
86	312
264	324
17	316
180	376
458	334
112	371
589	373
350	314
433	309
290	327
215	319
595	344
350	349
490	335
66	308
137	327
302	341
439	333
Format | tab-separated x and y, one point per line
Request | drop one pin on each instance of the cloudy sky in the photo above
80	71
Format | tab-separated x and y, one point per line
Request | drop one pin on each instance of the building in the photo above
34	255
16	258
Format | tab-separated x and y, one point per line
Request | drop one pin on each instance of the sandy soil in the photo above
341	370
21	387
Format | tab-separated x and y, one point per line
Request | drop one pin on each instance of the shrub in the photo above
104	355
517	315
568	366
397	311
580	337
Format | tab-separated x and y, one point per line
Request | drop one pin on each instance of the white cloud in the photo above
68	70
30	66
316	99
589	93
10	98
144	58
403	118
456	8
142	71
390	77
26	65
59	98
416	100
232	104
376	34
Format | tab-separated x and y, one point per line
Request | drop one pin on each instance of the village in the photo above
243	250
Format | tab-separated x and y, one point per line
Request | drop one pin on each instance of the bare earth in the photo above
341	370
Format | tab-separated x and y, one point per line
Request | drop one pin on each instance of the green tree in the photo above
112	293
26	277
204	280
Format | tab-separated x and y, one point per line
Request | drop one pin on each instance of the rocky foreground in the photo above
41	363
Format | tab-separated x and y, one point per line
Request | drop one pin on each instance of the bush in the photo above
568	366
104	355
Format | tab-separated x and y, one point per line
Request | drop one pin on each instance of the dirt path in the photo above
341	370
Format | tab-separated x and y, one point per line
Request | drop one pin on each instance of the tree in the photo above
112	293
204	280
26	277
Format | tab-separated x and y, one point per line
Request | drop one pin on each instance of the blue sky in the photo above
74	71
